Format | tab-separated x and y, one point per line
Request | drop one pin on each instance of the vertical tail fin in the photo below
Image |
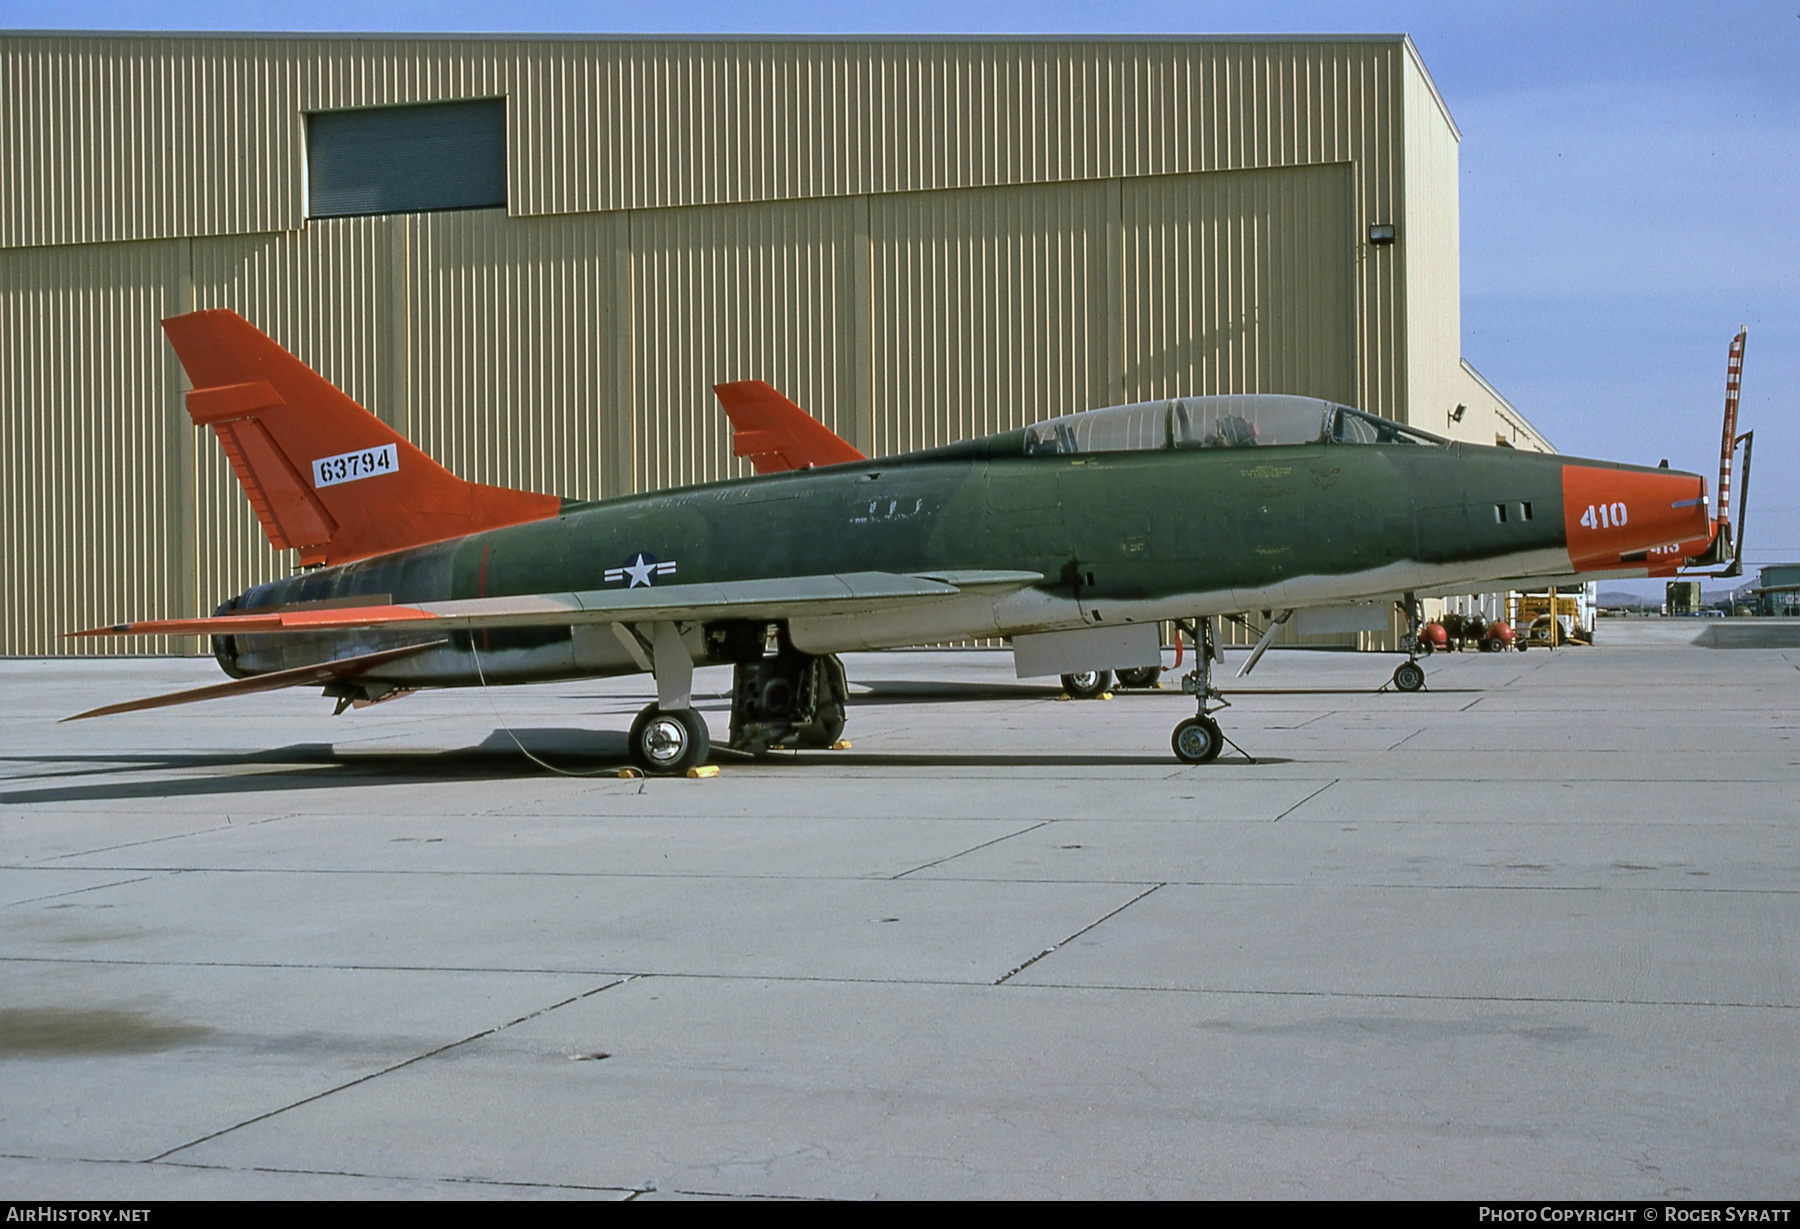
776	434
326	477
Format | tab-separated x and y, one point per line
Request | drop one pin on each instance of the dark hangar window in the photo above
441	155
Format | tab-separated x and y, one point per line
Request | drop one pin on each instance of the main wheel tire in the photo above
668	743
1197	741
1087	684
1410	676
1143	676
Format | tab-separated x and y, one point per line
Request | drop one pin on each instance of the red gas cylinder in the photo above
1498	636
1434	638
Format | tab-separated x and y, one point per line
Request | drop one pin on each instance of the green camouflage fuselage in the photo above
1117	536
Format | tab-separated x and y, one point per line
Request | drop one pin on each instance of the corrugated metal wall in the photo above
154	137
723	293
984	313
1240	282
1433	286
919	241
505	335
89	487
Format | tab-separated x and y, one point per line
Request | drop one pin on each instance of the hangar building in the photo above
535	256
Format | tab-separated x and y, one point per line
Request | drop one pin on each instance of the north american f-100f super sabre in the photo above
1075	537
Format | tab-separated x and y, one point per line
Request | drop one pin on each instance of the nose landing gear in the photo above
1409	675
1198	739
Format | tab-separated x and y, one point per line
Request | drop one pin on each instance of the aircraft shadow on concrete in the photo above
813	759
596	753
879	692
911	692
310	766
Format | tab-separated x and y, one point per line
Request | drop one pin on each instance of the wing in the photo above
779	598
776	434
324	672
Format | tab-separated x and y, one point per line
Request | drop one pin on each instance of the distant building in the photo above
1777	590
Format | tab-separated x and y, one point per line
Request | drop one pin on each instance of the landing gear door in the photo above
1124	647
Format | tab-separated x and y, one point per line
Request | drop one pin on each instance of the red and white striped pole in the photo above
1734	375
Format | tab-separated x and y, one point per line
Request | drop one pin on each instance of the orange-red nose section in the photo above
1618	517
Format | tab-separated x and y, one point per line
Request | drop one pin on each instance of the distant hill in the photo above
1622	597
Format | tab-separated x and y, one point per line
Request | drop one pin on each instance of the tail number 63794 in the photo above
1604	516
350	466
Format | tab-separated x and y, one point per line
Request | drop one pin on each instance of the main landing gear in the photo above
1198	740
671	742
1087	684
1409	675
668	737
780	697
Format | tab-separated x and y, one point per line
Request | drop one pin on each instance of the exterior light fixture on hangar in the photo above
536	256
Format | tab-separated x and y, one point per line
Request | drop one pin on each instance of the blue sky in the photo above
1630	180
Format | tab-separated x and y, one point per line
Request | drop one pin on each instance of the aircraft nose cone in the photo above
1615	516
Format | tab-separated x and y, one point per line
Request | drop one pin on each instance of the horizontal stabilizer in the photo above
776	434
300	676
325	477
327	619
780	598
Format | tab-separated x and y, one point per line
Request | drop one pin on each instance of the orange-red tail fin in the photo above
776	434
326	477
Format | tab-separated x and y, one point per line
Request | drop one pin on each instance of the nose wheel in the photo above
1409	676
1198	739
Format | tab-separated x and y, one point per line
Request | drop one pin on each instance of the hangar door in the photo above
1239	282
996	307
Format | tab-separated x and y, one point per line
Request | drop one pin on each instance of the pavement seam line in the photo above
324	1173
227	826
1115	913
375	1075
1417	996
1306	800
964	983
78	891
971	849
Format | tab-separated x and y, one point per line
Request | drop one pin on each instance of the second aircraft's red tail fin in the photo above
326	477
776	434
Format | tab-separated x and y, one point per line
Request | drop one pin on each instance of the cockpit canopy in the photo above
1244	420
